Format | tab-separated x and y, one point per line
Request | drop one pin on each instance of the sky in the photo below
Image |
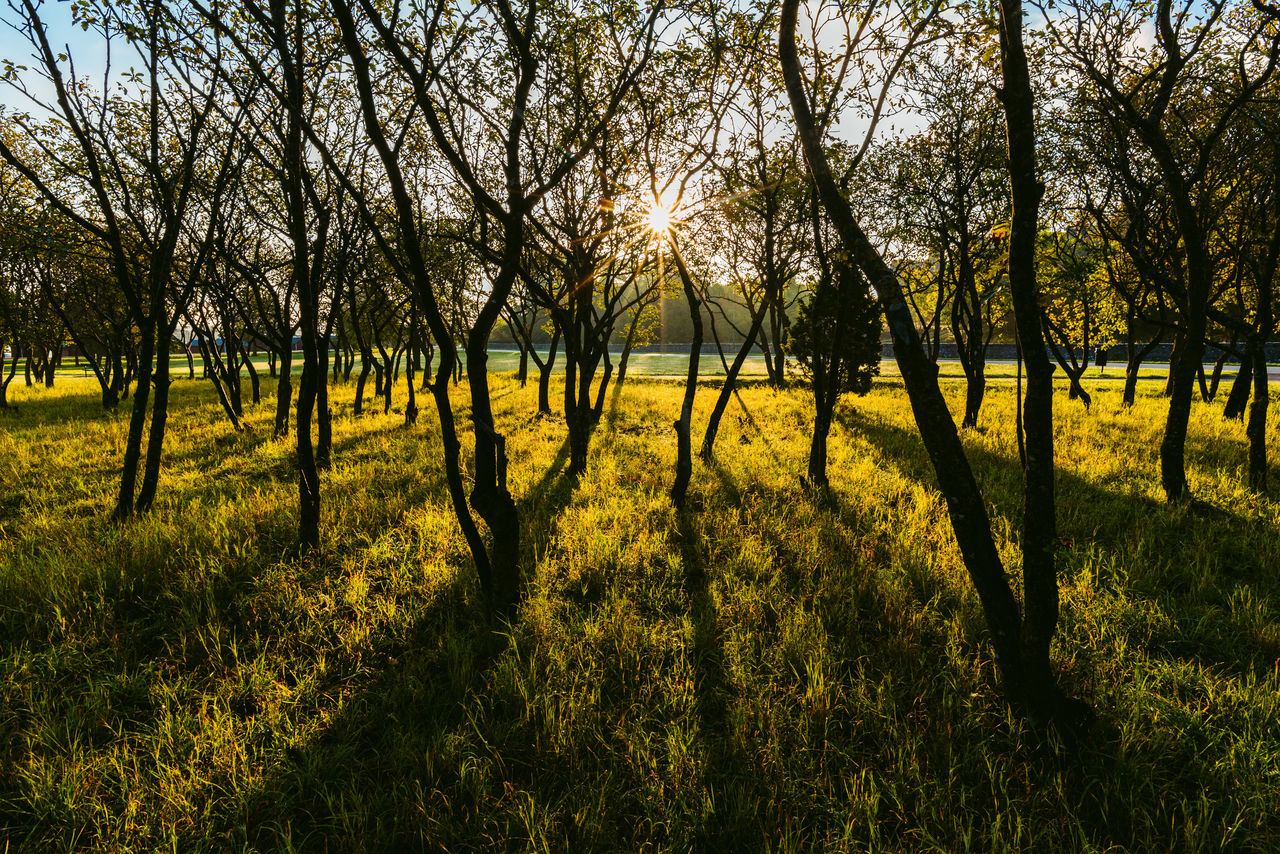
86	48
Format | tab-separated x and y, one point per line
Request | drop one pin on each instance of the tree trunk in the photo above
975	390
411	404
159	421
817	472
137	420
366	365
1039	688
255	384
490	497
544	375
1174	351
1256	429
597	409
626	347
284	394
684	445
1238	397
730	383
324	414
386	374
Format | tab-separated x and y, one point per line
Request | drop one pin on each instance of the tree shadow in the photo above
1175	555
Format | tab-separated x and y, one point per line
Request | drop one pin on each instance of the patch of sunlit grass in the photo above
769	667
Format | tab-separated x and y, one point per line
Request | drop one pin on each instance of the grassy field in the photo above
770	670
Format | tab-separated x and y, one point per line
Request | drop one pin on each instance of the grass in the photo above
769	670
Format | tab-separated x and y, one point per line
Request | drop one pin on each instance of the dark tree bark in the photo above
544	374
730	382
1039	517
284	394
965	505
683	426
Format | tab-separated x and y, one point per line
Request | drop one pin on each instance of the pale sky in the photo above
88	50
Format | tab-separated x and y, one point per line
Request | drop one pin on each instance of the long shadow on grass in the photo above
1151	550
540	507
336	707
882	634
373	776
708	651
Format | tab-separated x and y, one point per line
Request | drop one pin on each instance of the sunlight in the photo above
660	219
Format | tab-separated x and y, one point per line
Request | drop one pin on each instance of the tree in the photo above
1178	101
951	180
135	197
1022	646
836	338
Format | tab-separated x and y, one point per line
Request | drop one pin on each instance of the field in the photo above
772	669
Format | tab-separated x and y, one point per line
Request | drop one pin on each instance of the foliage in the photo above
840	326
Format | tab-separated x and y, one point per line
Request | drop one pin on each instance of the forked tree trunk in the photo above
159	421
1238	397
544	375
730	383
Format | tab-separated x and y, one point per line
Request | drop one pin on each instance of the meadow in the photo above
771	669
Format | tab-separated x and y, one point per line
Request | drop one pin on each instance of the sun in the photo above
660	218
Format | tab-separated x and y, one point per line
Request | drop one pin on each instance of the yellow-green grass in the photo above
772	669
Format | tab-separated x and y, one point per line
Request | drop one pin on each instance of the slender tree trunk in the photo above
1256	429
284	394
544	375
5	380
159	421
308	472
1173	475
490	497
817	471
1238	397
255	384
684	445
730	383
137	420
324	413
386	374
411	404
1039	689
626	347
1174	353
366	365
598	408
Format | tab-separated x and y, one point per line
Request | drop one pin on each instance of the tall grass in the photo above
771	669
